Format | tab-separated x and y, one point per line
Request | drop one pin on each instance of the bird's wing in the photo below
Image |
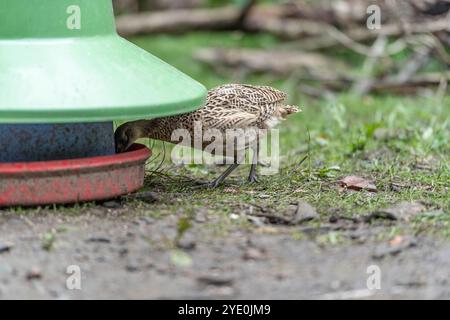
221	116
260	101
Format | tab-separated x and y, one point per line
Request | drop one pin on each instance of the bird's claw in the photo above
253	179
211	185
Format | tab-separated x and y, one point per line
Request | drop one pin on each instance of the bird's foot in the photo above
205	184
253	179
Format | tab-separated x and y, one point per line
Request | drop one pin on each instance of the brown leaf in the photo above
357	183
398	240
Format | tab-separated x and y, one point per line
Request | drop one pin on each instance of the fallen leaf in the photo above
396	241
357	183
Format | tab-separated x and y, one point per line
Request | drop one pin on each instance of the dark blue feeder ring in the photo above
46	142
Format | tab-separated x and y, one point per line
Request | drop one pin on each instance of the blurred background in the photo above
364	169
319	47
370	75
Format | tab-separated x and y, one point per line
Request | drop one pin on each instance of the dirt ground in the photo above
122	253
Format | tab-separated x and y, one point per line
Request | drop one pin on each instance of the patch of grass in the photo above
396	141
402	143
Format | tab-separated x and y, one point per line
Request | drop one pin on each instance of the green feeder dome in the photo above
61	61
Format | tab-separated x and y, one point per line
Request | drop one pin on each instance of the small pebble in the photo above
99	240
234	216
112	204
132	268
148	197
5	247
254	254
215	280
187	244
34	274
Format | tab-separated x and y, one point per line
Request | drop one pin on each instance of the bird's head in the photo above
127	134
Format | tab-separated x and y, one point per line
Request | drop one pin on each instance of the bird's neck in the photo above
148	128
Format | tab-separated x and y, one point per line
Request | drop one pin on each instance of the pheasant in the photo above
228	107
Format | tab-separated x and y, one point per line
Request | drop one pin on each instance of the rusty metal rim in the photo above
136	154
72	181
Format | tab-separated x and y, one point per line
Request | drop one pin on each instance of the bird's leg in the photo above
252	178
216	183
224	175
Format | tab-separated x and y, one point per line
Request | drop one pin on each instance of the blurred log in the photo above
432	8
348	13
287	28
272	19
245	13
176	21
276	19
389	84
125	6
338	13
133	6
271	61
363	34
407	71
317	92
420	81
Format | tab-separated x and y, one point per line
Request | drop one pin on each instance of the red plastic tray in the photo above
72	181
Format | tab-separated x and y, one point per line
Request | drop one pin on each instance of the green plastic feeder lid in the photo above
62	61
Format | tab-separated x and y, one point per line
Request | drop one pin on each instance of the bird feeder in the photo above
65	76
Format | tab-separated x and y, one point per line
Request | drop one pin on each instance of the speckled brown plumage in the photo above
231	106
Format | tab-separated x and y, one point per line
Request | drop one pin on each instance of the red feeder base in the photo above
72	181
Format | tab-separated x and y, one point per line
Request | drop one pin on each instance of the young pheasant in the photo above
228	107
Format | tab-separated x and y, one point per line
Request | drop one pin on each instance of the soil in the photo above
123	254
